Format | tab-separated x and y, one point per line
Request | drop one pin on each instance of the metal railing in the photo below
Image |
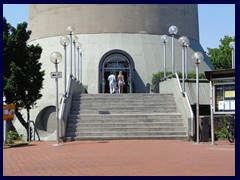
73	86
62	105
188	103
179	84
34	131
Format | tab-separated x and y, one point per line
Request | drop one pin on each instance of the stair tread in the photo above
128	116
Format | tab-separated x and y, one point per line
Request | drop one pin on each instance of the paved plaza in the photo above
121	158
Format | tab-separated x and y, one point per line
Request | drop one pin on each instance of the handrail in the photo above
191	112
61	111
35	131
188	102
180	87
62	105
200	80
73	86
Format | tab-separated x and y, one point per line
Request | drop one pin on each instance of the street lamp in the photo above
81	60
70	30
197	57
64	41
232	46
187	43
79	49
184	43
164	40
173	30
75	40
56	58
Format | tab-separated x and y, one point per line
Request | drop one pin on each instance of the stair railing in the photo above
179	84
73	86
188	103
34	131
61	111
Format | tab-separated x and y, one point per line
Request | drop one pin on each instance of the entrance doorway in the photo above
115	61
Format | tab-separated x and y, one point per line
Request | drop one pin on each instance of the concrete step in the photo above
124	129
130	103
126	124
124	116
125	108
118	137
122	119
139	95
126	97
120	106
106	111
126	133
128	116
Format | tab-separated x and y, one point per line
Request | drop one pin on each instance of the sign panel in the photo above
229	94
56	74
224	98
8	111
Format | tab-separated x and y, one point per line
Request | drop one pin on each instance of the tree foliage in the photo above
221	57
22	74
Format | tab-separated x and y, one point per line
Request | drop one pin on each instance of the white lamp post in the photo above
81	60
197	57
164	40
75	40
184	43
187	43
70	30
232	46
79	49
173	30
64	41
56	58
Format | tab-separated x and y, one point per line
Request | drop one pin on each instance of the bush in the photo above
191	75
222	134
13	136
159	75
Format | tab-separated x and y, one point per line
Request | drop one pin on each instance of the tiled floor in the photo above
121	158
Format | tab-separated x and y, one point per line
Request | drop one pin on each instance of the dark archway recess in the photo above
115	61
45	120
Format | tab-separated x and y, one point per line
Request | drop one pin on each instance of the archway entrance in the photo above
115	61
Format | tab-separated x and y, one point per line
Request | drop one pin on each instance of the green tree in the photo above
221	57
22	75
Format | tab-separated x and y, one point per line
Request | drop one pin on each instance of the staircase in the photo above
124	116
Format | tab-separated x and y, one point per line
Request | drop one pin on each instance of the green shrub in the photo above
13	136
160	75
222	134
191	75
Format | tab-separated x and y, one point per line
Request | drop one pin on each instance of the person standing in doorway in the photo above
112	83
121	82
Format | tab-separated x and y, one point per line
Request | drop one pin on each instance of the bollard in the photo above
157	80
148	88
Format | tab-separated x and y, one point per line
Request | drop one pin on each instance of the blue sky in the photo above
215	21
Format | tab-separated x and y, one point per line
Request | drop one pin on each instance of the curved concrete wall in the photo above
46	20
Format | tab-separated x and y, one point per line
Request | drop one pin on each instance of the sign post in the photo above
8	115
56	58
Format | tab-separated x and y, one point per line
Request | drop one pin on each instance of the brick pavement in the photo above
121	158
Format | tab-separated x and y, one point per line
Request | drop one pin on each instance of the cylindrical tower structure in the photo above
114	37
52	20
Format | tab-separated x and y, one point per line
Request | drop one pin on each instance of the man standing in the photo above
112	83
